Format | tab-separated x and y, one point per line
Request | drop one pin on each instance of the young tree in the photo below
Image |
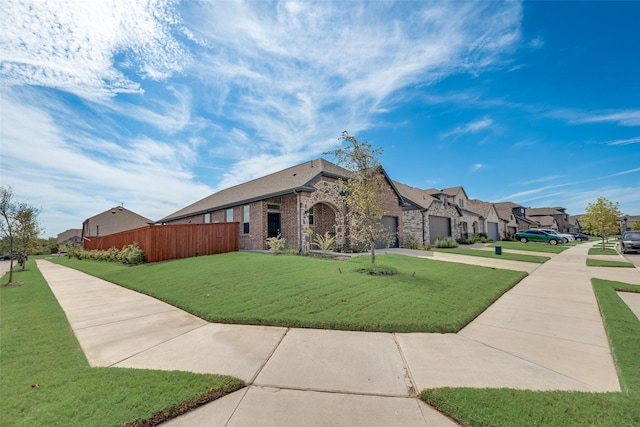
602	218
8	222
362	196
18	225
27	231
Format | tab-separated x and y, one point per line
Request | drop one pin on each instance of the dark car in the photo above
580	236
630	242
538	236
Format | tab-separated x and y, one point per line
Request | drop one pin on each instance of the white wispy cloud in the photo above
169	87
626	172
88	48
85	175
476	167
635	140
621	117
471	127
541	179
296	74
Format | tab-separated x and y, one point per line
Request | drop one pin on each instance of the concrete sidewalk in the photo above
544	334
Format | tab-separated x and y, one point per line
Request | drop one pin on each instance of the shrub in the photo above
463	241
411	241
325	242
276	244
130	254
480	238
447	242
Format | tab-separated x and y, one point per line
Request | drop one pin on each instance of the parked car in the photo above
565	237
580	236
538	236
630	242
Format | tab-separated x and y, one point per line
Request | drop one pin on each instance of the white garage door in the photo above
492	231
439	227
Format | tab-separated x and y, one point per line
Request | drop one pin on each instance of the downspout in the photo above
299	220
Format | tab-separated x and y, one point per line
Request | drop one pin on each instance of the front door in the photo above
273	221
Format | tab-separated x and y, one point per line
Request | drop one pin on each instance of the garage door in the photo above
492	231
391	224
439	227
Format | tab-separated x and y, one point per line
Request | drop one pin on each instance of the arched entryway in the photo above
322	219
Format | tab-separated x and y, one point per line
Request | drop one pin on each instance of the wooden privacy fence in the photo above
163	242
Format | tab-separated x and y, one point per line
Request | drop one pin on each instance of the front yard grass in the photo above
509	407
490	254
598	250
294	291
47	381
530	246
592	262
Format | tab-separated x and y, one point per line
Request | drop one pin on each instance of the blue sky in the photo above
156	104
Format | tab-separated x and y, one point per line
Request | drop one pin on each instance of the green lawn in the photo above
295	291
597	250
491	254
531	246
47	381
592	262
509	407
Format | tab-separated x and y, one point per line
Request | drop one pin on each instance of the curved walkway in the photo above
544	334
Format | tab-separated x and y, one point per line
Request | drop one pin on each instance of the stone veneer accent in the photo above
416	221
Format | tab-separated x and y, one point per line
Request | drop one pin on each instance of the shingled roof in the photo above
544	211
296	178
479	207
420	198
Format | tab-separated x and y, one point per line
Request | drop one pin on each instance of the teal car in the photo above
538	236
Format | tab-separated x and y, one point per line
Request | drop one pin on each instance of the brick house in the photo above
426	216
297	203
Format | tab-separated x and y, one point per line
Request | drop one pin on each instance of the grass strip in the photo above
592	262
46	379
489	254
597	250
509	407
296	291
530	246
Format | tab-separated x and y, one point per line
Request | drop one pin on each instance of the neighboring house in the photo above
627	222
558	214
487	216
297	203
70	237
523	222
509	221
574	224
547	222
112	221
426	216
469	223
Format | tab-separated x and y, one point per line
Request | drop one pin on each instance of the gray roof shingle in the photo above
276	184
